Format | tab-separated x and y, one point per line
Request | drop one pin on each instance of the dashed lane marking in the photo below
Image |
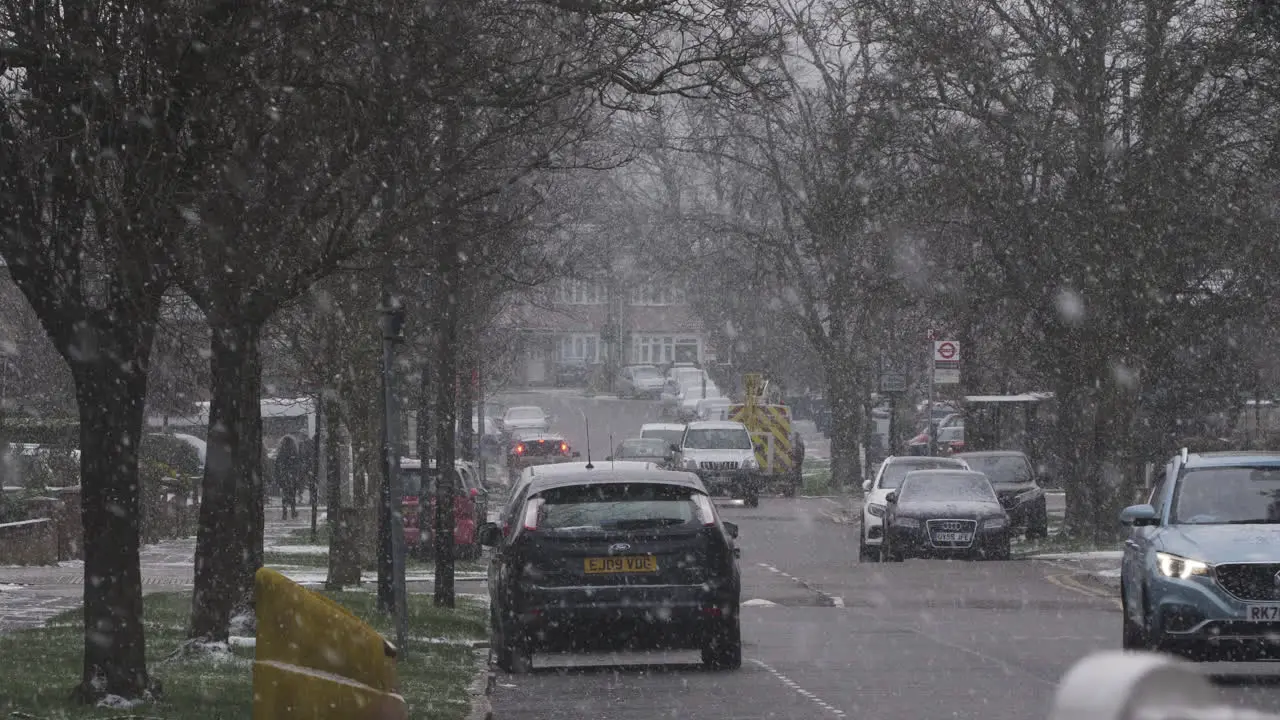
834	600
792	684
759	602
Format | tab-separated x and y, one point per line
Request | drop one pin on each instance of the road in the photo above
611	420
826	636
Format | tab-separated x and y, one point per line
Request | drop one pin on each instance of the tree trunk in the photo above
466	406
426	427
111	396
446	374
229	544
845	403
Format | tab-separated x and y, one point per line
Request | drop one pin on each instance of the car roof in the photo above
716	425
938	472
1230	458
662	426
991	453
610	473
918	459
641	440
523	407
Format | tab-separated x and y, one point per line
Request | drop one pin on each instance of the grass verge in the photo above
42	664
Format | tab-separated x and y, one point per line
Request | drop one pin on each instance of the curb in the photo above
481	688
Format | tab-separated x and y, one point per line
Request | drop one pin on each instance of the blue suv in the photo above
1201	569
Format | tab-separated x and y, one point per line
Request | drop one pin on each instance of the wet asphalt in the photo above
826	636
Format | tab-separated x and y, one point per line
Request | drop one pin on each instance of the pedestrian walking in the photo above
288	474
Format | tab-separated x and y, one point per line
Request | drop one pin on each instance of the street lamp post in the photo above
391	589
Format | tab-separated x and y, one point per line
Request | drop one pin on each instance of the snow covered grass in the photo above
214	682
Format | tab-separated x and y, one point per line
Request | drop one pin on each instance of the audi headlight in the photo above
876	510
1177	566
996	523
906	522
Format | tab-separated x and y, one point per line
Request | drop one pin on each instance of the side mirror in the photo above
1139	516
577	454
731	529
866	486
892	497
489	534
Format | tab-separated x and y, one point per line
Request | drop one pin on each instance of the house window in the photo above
657	294
580	292
589	348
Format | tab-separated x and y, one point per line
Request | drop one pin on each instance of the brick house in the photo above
570	322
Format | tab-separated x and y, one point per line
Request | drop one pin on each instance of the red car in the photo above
470	507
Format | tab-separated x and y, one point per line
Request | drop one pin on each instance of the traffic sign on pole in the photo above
946	362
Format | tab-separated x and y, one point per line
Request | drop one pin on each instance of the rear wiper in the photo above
643	523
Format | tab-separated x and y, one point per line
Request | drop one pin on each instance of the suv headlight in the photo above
876	510
1177	566
750	463
691	464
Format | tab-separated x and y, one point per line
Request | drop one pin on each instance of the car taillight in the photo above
705	510
475	492
564	447
520	449
531	513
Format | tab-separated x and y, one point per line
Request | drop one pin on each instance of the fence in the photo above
1119	685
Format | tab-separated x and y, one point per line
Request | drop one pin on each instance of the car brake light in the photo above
564	447
520	449
474	492
531	513
705	510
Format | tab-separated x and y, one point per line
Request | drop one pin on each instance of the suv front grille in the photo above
1250	581
967	529
730	465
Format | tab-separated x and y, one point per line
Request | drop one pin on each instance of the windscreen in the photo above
897	470
646	373
1001	468
1228	496
944	488
718	439
530	413
670	437
620	506
648	448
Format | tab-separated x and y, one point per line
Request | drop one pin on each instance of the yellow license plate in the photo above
635	564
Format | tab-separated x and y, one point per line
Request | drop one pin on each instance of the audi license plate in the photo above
953	537
1262	613
634	564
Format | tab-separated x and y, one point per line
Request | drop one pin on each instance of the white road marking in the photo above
759	602
801	691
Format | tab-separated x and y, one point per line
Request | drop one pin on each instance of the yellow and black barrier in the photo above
314	659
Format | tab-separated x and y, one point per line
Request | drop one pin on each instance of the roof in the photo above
524	407
937	472
916	459
716	425
990	453
662	426
1232	458
610	474
1024	397
530	434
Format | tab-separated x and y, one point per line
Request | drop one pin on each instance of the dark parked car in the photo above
945	513
1014	480
613	557
654	450
572	373
536	447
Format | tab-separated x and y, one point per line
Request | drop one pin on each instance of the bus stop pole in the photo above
932	428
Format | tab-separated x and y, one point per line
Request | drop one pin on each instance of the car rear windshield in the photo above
945	487
621	506
650	448
525	414
1001	468
1228	496
896	471
718	439
671	437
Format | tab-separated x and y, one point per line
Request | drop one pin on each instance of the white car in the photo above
723	456
888	478
671	433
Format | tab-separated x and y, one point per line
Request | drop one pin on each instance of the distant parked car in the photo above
572	373
654	450
640	381
470	508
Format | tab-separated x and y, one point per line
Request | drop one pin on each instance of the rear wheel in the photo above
722	649
512	648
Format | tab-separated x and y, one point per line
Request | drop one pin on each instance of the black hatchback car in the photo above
945	513
612	558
